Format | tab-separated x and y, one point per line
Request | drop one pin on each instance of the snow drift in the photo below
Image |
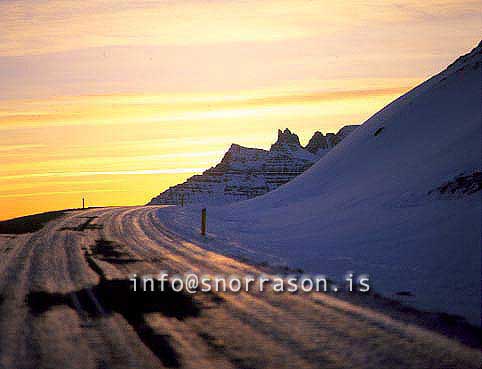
374	204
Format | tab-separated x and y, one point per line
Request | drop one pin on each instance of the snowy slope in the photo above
375	203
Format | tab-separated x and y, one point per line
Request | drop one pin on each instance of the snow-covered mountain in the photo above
244	172
399	200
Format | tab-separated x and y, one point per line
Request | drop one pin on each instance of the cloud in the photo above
138	109
50	193
20	147
38	27
102	173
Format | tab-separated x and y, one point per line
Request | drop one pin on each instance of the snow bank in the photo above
366	207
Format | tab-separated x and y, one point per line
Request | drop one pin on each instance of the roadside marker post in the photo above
203	222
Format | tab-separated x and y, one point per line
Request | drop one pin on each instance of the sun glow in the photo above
116	101
99	137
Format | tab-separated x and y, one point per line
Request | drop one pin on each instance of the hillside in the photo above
245	173
399	199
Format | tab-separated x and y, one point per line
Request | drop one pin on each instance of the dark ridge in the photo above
29	223
461	185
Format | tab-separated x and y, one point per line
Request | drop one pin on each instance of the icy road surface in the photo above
64	304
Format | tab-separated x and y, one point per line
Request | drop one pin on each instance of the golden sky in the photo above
117	100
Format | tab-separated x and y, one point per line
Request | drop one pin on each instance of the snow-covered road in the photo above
63	305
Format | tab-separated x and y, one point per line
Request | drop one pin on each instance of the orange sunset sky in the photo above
118	100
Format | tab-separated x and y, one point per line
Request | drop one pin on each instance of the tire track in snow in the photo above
293	331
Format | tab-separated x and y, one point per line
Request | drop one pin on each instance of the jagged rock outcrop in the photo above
244	172
317	142
320	144
286	138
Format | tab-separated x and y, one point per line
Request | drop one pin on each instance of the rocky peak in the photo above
240	153
332	139
320	144
316	143
235	150
286	138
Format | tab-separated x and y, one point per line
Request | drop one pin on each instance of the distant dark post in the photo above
182	200
203	222
83	203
